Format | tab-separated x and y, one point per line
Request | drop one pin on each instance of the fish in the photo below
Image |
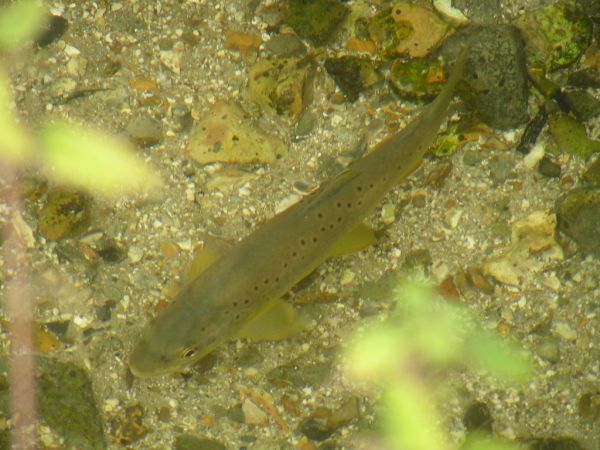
239	294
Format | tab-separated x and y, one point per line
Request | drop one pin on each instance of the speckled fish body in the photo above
263	266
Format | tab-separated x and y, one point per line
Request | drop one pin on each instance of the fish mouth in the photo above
143	366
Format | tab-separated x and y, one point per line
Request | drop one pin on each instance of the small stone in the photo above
227	134
66	404
135	254
53	30
144	131
501	168
564	330
285	45
548	349
578	216
65	212
592	174
589	405
388	213
472	157
352	75
549	168
191	442
253	415
316	20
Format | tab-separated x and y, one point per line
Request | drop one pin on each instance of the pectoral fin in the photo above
279	320
203	259
359	238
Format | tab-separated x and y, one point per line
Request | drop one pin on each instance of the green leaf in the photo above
20	21
410	419
15	144
95	161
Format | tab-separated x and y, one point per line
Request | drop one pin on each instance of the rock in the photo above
501	167
316	20
352	75
592	174
128	427
578	215
323	422
533	247
191	442
281	86
66	403
555	35
578	101
65	213
227	134
495	77
144	131
53	31
417	78
285	45
423	29
253	415
480	11
299	375
585	78
589	405
553	444
571	136
549	168
548	349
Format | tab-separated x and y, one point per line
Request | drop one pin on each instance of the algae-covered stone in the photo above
386	32
285	45
578	215
65	213
316	20
299	375
556	34
584	105
406	29
352	75
144	131
281	85
592	174
571	136
417	78
228	134
585	78
191	442
66	403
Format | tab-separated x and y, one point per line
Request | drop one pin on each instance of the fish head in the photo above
174	340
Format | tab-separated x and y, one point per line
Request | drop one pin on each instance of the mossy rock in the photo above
571	136
417	78
555	35
316	20
578	216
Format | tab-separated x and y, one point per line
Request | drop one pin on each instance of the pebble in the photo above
548	349
144	130
564	330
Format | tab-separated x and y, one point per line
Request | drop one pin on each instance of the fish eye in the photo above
188	352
